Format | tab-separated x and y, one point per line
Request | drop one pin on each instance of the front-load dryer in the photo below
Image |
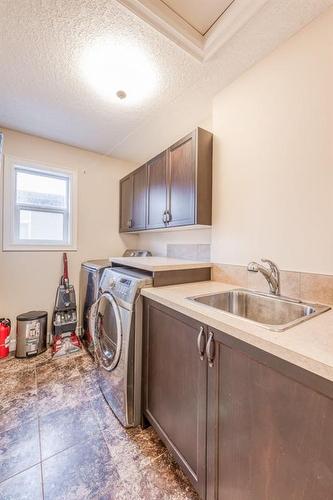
117	328
90	278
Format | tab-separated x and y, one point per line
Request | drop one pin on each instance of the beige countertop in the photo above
159	263
308	345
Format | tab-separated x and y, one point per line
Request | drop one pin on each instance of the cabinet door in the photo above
175	387
126	204
139	198
156	192
181	182
268	435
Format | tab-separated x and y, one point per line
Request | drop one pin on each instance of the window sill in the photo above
39	248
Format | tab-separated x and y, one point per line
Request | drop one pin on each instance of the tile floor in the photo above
59	439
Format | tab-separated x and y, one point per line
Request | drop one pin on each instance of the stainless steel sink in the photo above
269	311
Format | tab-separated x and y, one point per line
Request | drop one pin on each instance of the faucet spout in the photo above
271	274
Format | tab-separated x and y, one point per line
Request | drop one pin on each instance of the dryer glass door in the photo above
107	330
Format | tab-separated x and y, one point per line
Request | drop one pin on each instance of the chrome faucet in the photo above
271	274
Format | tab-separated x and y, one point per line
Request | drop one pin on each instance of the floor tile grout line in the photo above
80	377
20	472
40	454
65	449
90	397
43	460
32	392
72	445
35	370
12	426
42	479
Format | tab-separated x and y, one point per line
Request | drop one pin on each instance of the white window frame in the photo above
11	209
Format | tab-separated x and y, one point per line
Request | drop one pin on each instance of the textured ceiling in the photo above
43	92
41	86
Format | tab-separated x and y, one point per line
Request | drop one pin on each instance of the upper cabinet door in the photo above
156	192
181	177
126	204
139	198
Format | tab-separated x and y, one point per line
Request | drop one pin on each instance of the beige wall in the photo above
273	157
273	178
28	280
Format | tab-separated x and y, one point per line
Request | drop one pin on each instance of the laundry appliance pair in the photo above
111	322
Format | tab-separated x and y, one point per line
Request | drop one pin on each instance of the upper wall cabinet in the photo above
133	201
178	189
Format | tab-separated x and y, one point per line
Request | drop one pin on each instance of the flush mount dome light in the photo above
121	94
108	67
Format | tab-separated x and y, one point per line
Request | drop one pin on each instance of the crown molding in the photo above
167	22
201	47
233	19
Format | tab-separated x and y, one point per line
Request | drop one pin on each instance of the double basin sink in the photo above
270	311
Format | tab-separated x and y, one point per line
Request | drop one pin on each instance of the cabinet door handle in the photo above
164	217
201	343
168	216
129	223
210	349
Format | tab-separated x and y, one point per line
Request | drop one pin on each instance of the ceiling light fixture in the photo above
109	66
121	94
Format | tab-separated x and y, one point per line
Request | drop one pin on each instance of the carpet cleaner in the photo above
65	340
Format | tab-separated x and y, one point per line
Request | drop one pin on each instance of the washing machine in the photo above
90	278
116	323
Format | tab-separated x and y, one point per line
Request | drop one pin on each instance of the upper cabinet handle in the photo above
129	223
210	349
164	218
201	343
168	216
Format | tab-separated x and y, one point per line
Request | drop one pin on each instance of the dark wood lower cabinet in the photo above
244	424
269	436
175	388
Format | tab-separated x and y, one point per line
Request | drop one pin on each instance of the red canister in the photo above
4	337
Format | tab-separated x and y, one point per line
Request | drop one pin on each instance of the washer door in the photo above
107	331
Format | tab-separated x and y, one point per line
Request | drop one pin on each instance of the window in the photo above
39	207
